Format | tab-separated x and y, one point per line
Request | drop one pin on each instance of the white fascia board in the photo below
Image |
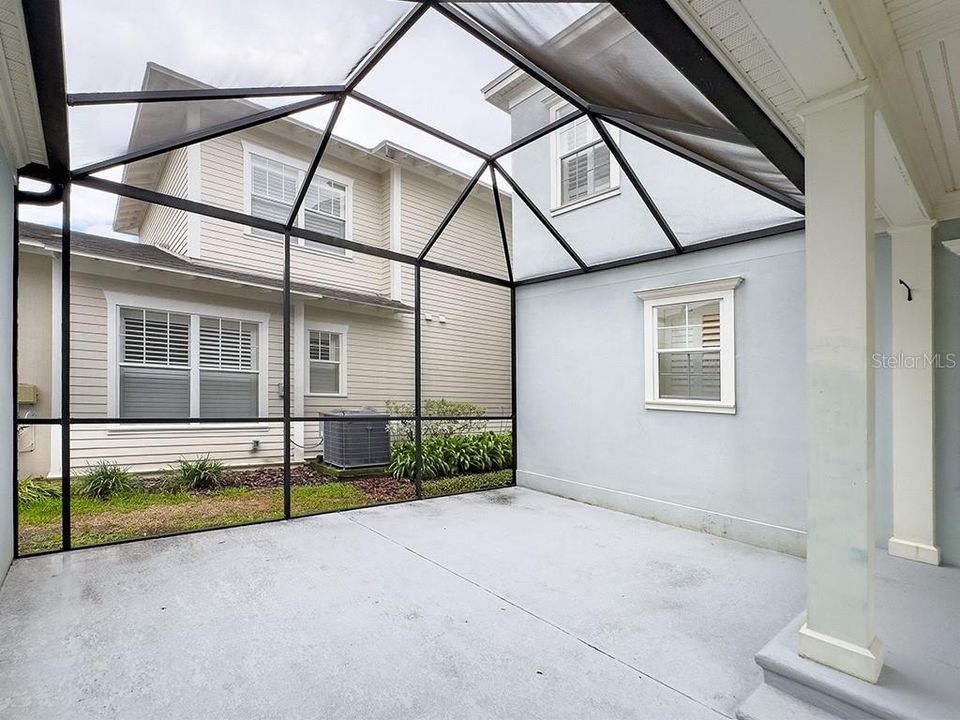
694	288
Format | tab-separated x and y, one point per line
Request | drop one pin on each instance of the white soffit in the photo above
786	53
929	35
743	35
21	132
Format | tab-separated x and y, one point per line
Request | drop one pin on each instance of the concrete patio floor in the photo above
504	604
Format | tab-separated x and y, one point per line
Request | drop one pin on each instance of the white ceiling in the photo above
928	32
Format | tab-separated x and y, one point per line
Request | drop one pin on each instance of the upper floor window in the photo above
274	185
689	346
187	365
582	170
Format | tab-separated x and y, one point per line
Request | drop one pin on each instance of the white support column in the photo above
396	244
913	453
839	148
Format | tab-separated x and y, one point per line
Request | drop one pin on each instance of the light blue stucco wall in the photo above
583	430
946	328
6	391
946	340
583	368
884	392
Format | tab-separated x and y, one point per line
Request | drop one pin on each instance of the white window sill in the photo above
606	194
325	395
260	428
692	406
348	254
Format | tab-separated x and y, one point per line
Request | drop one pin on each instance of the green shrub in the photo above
204	473
104	479
465	424
467	483
33	489
446	455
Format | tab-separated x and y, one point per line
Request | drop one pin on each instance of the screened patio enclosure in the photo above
373	96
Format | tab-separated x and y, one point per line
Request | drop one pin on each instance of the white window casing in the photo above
271	183
689	350
326	351
582	169
216	355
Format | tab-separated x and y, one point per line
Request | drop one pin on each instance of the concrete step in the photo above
769	703
815	684
916	609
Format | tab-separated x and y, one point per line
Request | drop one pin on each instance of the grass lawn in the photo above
143	513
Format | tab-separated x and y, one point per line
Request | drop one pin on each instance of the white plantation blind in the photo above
228	344
154	371
325	362
584	159
229	382
273	191
688	350
150	337
325	210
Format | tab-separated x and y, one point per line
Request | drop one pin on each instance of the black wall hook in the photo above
909	291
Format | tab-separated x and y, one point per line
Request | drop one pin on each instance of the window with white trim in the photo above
273	191
689	346
229	372
154	362
326	362
160	376
583	168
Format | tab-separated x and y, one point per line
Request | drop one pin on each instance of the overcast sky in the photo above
434	73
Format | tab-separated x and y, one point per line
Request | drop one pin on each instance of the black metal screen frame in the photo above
43	26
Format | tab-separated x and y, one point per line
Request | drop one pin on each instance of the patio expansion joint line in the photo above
535	616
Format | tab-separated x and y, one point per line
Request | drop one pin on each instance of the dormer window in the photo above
273	186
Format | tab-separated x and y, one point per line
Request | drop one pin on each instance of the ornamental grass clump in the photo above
198	475
105	479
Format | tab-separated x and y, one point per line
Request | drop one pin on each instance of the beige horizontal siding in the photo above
380	359
222	184
164	226
155	449
471	241
34	359
467	358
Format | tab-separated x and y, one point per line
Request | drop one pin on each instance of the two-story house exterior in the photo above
187	321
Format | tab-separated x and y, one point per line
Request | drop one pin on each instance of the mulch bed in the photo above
267	478
385	489
379	489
